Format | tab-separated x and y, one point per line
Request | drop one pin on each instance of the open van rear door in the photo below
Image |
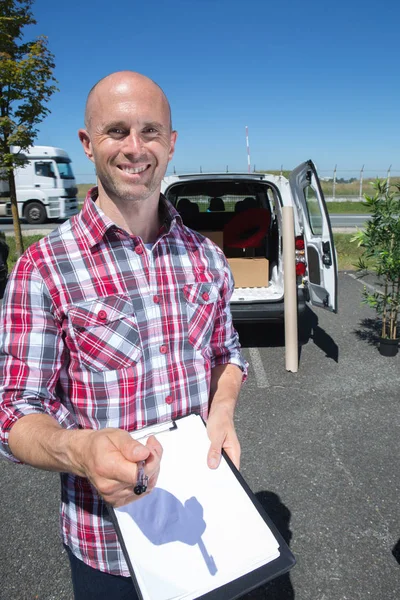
318	238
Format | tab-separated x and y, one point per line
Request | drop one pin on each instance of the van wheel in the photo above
35	213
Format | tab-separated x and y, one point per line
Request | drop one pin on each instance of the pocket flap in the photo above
100	311
201	293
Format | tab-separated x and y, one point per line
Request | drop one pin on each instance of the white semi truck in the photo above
46	186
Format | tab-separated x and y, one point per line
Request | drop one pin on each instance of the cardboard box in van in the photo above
215	236
249	272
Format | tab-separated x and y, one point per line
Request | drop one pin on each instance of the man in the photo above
4	251
117	320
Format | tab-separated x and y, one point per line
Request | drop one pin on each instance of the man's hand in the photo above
226	381
109	457
222	435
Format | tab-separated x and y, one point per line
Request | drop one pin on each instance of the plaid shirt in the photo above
99	331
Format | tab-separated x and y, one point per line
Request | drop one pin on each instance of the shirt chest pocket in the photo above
201	303
105	333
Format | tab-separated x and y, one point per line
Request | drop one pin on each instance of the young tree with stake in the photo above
26	85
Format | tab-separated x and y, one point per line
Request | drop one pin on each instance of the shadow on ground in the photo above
270	335
280	588
396	551
369	331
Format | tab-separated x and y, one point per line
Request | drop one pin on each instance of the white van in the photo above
46	186
242	213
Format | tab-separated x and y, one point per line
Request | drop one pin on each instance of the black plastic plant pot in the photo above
388	347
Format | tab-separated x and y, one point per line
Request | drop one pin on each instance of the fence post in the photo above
388	177
334	184
361	181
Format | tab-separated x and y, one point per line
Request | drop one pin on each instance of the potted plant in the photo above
380	241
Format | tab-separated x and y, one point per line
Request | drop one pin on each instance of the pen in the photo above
142	480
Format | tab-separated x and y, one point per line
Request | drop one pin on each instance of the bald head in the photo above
123	82
128	137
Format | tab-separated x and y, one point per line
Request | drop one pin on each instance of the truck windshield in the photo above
64	168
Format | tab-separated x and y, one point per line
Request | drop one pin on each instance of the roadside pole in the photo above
290	292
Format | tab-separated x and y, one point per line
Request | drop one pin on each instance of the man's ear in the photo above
86	143
174	135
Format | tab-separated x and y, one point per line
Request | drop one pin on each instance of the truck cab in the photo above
242	214
46	186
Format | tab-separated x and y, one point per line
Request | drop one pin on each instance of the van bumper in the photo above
259	312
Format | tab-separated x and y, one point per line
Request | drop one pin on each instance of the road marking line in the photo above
258	367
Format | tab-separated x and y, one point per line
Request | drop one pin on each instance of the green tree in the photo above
26	85
380	242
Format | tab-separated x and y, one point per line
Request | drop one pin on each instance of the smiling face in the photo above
128	136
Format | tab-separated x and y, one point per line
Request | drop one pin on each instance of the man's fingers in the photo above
114	465
134	451
155	448
230	444
126	471
214	453
234	454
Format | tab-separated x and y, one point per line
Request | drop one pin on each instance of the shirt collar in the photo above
96	224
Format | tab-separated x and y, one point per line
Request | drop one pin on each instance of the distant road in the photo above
6	225
344	220
338	221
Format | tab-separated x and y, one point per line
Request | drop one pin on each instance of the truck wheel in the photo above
35	213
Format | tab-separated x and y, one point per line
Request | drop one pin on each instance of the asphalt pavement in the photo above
319	448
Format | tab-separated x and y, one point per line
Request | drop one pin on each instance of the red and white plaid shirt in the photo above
99	331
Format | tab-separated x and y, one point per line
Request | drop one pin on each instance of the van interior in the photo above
244	219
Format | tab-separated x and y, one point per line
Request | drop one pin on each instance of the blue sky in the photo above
310	79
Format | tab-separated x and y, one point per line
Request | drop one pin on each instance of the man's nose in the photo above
133	143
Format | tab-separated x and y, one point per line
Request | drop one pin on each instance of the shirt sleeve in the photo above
225	346
31	353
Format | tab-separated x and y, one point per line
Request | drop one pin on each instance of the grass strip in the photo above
340	208
28	240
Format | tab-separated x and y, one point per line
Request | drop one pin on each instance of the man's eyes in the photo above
118	132
150	131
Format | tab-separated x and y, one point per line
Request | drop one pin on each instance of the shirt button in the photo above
139	250
156	299
163	349
205	296
102	315
168	400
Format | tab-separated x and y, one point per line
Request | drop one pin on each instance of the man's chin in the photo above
132	193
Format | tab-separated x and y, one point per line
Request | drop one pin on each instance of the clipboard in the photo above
185	540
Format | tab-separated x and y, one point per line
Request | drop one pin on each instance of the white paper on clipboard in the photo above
198	529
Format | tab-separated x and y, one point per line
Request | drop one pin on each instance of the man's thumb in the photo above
214	457
134	451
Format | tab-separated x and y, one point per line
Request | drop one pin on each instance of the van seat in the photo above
187	209
216	205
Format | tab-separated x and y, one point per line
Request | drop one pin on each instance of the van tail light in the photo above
300	269
300	256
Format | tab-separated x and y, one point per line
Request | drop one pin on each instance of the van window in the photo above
313	209
224	203
44	169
